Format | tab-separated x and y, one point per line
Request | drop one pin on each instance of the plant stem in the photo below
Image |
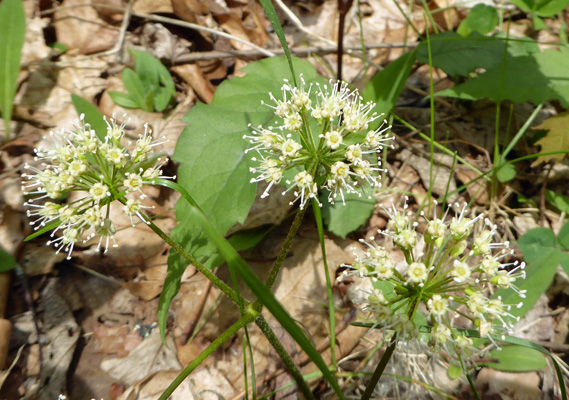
469	378
199	266
285	249
285	357
247	318
379	370
331	310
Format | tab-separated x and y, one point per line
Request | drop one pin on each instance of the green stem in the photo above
470	382
285	357
247	318
199	266
379	371
285	249
331	310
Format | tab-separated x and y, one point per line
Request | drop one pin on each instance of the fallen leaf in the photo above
193	76
119	340
62	333
153	6
556	139
508	385
149	356
78	26
477	189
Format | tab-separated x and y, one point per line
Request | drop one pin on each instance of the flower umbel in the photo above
103	171
327	143
451	280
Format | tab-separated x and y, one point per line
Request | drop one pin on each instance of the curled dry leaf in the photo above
79	27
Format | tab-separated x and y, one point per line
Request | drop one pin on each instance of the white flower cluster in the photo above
102	170
451	280
327	142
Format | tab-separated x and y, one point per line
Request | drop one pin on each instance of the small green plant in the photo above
150	86
13	33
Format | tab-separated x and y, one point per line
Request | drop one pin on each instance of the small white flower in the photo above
290	148
437	305
417	272
460	271
99	191
133	182
333	139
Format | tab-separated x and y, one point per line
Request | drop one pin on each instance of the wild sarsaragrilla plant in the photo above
326	143
451	280
93	173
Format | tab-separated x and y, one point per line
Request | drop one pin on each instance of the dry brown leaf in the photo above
119	340
63	333
206	383
193	75
157	40
81	28
149	356
556	139
188	10
508	385
153	6
443	182
477	189
146	290
232	24
35	48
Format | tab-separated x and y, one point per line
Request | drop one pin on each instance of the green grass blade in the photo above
265	297
12	34
272	16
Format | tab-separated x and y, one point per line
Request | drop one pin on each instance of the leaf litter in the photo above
88	332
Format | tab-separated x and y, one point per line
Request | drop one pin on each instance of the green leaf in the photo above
535	242
92	114
146	67
549	8
458	55
162	98
544	76
563	236
386	86
506	172
265	296
156	79
135	88
7	262
248	238
482	18
558	200
563	241
454	371
342	219
124	100
525	5
214	168
515	359
12	34
539	275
